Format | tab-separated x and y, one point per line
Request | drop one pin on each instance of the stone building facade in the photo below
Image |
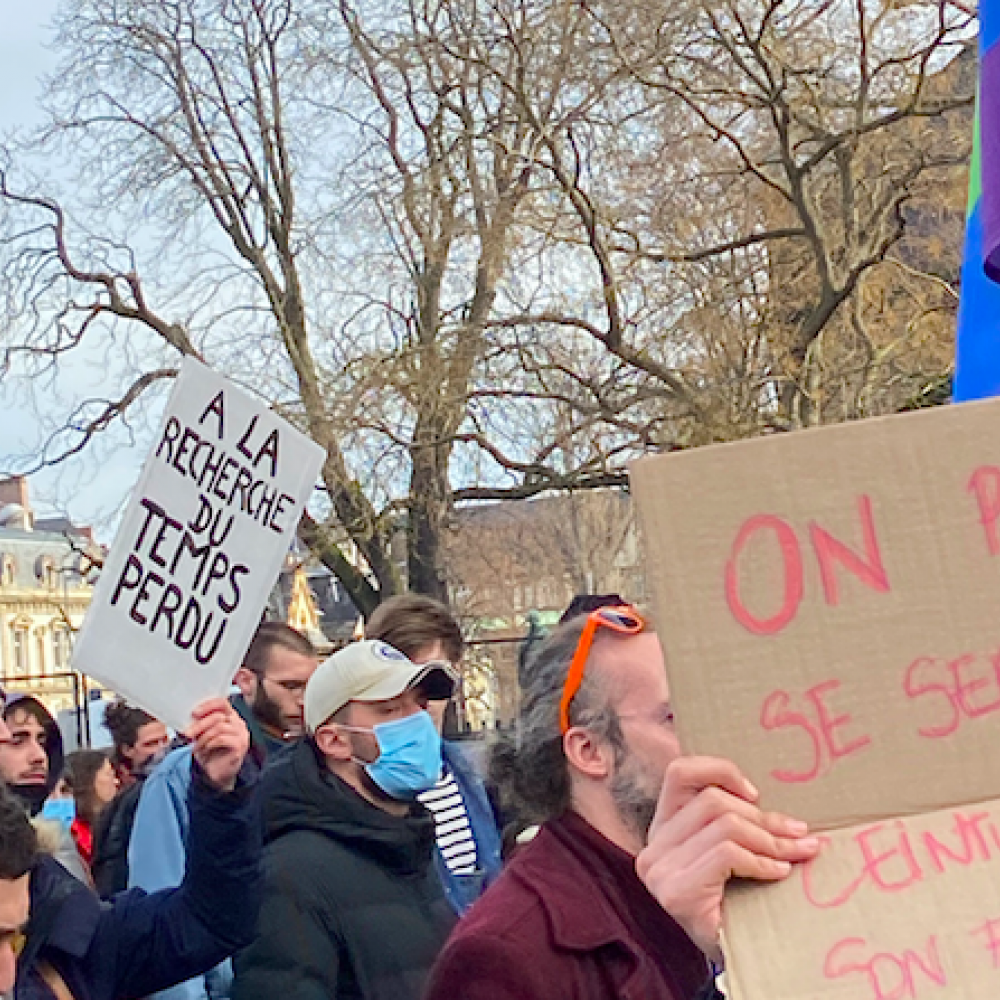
45	590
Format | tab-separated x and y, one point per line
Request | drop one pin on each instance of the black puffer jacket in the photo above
114	828
353	907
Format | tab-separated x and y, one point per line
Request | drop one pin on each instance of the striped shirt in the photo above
451	825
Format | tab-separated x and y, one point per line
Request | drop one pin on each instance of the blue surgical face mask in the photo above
63	811
409	760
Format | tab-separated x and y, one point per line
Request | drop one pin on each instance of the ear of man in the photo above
333	742
589	756
246	681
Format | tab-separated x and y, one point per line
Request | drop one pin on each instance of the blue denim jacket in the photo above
462	891
157	856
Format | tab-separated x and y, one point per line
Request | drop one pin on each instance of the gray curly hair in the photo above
529	768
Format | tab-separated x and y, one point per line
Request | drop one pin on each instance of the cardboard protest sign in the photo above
829	607
199	548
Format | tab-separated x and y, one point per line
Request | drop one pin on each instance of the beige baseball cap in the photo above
370	670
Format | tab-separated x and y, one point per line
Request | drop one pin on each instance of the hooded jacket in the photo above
57	839
353	907
139	942
33	796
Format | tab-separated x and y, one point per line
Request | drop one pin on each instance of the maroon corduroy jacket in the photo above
568	920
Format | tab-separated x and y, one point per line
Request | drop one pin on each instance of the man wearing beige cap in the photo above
353	907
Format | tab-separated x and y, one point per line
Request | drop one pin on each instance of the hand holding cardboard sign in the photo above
221	741
706	831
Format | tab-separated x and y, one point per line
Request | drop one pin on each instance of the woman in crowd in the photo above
93	782
140	741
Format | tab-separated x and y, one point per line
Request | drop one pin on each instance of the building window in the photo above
19	644
7	570
60	647
45	570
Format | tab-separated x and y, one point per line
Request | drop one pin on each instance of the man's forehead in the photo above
283	662
634	660
23	718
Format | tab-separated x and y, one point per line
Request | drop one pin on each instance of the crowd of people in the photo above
316	836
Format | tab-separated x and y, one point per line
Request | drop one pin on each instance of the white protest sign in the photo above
199	548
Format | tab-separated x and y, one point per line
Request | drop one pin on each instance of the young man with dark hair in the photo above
596	761
468	855
31	763
353	908
57	939
272	681
138	740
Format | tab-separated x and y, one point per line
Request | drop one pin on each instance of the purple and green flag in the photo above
977	368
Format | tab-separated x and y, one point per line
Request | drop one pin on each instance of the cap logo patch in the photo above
386	652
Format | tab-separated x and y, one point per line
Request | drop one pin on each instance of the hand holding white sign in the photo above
221	742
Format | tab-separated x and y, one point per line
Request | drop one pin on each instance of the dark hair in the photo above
412	622
529	767
124	721
18	841
270	636
82	768
583	604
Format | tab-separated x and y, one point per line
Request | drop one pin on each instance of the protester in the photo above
467	854
353	906
139	742
58	940
272	683
595	753
94	784
31	763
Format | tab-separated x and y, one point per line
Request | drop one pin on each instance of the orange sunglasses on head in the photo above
623	619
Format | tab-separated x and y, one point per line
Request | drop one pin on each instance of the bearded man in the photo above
593	908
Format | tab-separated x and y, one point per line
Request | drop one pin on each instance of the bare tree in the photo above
212	116
757	244
485	249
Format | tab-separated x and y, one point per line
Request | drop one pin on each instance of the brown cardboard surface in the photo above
903	908
829	606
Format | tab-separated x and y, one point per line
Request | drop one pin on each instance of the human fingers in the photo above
776	851
211	705
713	803
686	777
210	726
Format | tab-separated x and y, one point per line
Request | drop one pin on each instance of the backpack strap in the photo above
55	982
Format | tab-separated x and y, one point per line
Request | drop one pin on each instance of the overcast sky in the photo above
91	489
23	57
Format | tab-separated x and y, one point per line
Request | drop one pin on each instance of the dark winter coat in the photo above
569	920
142	942
109	867
353	907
